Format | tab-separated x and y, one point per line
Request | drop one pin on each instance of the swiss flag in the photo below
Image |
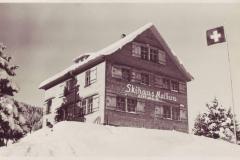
215	35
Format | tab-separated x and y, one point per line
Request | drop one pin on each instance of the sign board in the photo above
147	94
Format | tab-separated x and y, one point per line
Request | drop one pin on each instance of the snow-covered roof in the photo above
108	51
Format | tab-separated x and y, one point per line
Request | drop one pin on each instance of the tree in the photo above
9	118
70	108
16	118
216	123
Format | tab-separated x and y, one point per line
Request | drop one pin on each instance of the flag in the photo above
215	35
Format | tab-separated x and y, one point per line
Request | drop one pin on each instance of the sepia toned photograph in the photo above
120	80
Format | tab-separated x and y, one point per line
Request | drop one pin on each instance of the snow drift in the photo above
75	139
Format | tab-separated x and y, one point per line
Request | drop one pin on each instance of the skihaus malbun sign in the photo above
147	94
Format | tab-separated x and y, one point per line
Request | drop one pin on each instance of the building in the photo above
137	81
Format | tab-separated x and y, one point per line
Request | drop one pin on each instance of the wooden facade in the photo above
141	85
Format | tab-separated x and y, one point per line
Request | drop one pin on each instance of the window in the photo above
166	83
182	87
147	52
136	76
49	104
145	78
90	105
167	112
90	76
126	74
87	78
121	104
175	113
144	52
131	105
154	55
121	73
175	86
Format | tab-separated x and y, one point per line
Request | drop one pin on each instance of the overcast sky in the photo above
44	38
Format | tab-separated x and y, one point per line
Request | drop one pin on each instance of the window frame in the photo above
166	83
126	74
144	52
145	78
88	78
174	86
131	104
153	56
90	105
177	111
167	115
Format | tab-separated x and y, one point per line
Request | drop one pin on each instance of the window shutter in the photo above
182	87
161	57
159	81
93	74
183	114
140	106
151	79
61	90
158	111
95	102
116	72
136	76
136	50
111	101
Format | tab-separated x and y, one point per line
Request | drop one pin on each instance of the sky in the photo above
43	39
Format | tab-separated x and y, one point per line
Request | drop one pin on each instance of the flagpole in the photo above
230	76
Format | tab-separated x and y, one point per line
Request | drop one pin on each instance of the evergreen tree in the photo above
16	118
9	118
216	123
71	101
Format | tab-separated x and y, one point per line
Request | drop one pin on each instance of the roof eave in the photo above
71	73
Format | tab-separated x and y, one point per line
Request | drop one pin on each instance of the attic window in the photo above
148	53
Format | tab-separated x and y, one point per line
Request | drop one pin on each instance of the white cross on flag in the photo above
215	35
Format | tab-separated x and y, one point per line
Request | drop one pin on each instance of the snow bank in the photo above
75	139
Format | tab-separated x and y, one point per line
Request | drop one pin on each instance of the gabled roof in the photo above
94	56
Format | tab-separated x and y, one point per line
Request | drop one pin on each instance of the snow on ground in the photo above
75	139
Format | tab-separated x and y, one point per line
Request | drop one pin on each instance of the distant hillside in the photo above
76	139
32	114
17	119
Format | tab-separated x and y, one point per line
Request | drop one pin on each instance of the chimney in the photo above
123	35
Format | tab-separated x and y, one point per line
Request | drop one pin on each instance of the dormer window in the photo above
81	58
